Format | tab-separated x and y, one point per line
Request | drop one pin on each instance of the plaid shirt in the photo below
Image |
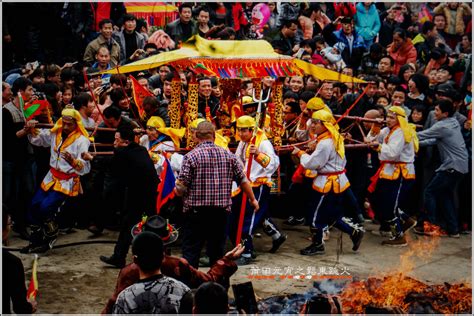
207	173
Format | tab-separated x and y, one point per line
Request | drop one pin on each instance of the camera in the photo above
39	95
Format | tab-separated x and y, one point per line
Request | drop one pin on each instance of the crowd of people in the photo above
100	164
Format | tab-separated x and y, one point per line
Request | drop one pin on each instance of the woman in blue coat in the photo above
367	22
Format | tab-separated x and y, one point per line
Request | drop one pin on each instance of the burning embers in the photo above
394	293
399	293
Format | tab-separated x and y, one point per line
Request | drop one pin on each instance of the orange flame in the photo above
399	290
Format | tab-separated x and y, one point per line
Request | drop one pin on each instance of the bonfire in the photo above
384	293
397	292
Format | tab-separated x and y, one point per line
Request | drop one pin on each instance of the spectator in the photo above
182	28
174	267
424	42
7	94
84	104
13	284
367	22
134	169
153	108
102	63
17	161
370	61
289	11
354	46
142	28
455	27
446	134
211	298
385	67
344	9
465	46
284	42
203	15
401	50
273	20
389	25
405	72
206	182
439	20
131	42
207	104
417	86
105	39
155	293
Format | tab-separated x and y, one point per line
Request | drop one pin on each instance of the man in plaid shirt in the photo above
205	182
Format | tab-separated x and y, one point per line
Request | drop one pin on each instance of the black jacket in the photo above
135	171
13	285
284	44
176	32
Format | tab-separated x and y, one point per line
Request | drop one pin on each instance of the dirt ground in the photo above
74	280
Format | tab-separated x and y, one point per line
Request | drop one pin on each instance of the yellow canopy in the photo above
233	59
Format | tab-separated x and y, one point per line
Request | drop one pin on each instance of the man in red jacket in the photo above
177	268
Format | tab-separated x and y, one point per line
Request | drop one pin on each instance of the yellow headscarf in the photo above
317	104
220	140
174	133
409	130
58	127
246	121
329	122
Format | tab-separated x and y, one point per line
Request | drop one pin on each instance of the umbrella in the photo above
233	59
155	13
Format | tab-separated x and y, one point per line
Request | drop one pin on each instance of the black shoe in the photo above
357	239
277	243
113	261
293	221
67	230
204	262
243	261
95	230
253	254
22	232
313	249
36	248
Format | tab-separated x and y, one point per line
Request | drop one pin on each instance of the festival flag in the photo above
22	103
33	287
139	93
34	108
203	70
166	186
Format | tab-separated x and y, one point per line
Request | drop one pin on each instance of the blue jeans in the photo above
439	195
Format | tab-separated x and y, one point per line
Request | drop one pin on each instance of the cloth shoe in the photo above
277	243
396	242
356	238
113	261
313	249
95	230
243	261
293	221
204	262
